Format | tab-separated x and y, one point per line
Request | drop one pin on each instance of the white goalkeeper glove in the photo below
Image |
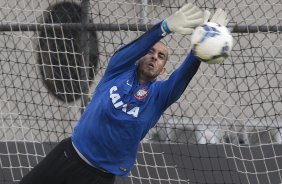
220	17
184	20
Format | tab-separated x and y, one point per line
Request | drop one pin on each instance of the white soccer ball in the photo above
211	43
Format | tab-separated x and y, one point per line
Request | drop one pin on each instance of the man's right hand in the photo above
184	20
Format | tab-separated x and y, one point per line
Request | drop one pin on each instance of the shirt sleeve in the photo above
170	90
126	57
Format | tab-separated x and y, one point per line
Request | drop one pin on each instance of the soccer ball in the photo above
211	43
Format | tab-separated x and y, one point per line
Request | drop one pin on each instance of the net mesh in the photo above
225	128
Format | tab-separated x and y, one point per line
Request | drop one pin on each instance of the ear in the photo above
163	70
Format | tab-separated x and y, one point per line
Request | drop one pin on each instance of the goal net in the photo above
225	128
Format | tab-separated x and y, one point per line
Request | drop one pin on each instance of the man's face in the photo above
152	64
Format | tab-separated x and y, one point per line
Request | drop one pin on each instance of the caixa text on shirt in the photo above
118	103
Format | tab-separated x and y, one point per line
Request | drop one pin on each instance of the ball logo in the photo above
210	32
141	94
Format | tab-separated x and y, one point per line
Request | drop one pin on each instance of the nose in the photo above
154	57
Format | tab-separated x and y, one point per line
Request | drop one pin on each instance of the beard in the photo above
147	73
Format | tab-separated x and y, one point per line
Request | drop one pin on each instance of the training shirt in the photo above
122	111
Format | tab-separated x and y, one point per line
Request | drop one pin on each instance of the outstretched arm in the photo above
183	22
170	90
128	55
173	88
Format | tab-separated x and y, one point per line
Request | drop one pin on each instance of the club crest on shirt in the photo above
141	94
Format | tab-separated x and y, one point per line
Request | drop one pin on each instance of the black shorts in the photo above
64	166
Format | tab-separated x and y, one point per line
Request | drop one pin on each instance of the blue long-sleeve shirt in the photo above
122	111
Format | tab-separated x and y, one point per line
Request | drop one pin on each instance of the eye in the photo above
162	56
151	51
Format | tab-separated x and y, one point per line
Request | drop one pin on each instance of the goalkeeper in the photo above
127	102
